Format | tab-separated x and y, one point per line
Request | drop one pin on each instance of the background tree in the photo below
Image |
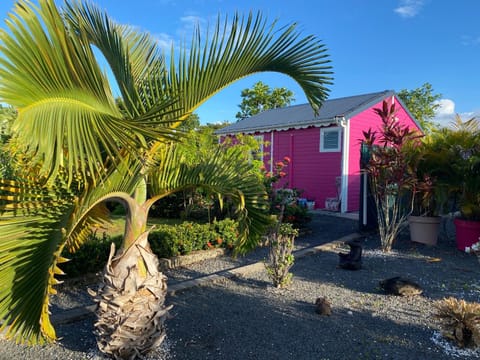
198	145
82	148
217	125
202	144
191	123
7	116
261	97
422	103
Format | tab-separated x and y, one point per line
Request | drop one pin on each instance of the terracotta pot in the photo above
467	232
424	229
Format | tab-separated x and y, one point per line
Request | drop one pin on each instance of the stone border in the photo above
83	312
195	256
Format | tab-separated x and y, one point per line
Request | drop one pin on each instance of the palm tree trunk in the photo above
131	311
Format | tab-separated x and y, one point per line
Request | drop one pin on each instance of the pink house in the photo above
324	149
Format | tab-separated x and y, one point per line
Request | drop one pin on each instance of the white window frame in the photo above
323	131
261	141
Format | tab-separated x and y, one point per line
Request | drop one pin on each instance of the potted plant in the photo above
458	147
467	225
428	194
424	222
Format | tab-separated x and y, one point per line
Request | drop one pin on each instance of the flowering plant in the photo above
271	178
282	199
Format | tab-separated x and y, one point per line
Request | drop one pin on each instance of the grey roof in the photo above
302	116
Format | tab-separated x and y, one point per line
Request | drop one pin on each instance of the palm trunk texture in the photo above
131	311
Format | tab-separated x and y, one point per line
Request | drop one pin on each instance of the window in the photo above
330	139
258	155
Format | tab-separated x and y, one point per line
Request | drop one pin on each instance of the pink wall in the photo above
314	171
362	122
310	170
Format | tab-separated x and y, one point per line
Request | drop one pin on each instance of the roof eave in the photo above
303	125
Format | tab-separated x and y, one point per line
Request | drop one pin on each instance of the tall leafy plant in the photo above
464	141
429	192
388	170
453	158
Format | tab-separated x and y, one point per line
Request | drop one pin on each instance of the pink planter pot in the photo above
467	232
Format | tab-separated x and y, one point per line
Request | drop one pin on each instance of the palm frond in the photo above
471	125
224	174
57	87
131	55
32	221
90	210
67	116
244	48
135	60
37	220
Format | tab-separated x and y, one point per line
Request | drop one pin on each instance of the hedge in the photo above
165	240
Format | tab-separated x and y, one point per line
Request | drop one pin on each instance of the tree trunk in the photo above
131	311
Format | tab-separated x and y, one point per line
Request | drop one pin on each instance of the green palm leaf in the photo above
137	65
223	174
38	219
90	210
133	57
67	116
244	48
31	241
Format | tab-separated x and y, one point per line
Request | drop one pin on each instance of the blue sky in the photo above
373	44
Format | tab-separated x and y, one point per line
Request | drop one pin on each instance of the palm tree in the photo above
79	147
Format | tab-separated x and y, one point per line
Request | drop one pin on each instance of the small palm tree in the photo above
80	147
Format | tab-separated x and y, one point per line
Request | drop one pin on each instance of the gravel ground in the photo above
246	318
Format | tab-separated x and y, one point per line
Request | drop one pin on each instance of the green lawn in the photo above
118	224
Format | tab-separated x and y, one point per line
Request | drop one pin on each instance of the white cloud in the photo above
190	21
471	114
446	107
183	33
409	8
445	113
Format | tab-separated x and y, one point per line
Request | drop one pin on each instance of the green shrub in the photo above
91	257
228	232
195	237
165	240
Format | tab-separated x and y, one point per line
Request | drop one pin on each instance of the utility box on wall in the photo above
332	204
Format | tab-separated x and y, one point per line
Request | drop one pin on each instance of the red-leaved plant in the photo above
388	170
